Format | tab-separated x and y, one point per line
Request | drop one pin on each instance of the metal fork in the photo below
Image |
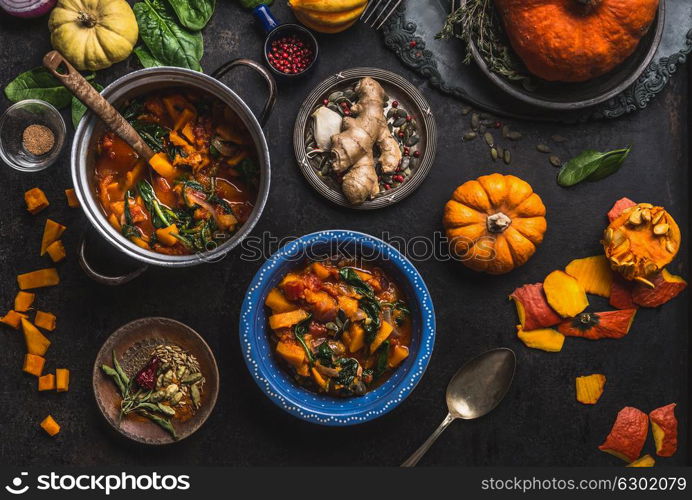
383	8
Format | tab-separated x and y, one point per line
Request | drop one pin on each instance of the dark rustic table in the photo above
539	423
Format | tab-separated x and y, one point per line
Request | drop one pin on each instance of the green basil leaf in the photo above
168	42
78	109
193	14
145	57
38	83
591	165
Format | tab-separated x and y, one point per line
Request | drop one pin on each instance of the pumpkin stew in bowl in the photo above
199	187
337	328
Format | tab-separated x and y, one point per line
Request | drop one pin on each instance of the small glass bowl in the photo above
18	117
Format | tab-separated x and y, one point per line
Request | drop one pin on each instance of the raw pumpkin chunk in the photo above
664	427
33	364
72	200
56	251
618	207
319	379
46	382
320	270
50	426
593	274
163	166
564	294
287	319
36	342
590	388
35	200
183	118
357	334
532	307
349	306
62	379
666	287
38	279
628	435
166	235
644	461
398	354
382	334
545	339
23	301
278	303
52	231
13	319
292	353
621	294
45	320
602	325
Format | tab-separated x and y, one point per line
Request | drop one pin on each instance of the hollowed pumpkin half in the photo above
494	223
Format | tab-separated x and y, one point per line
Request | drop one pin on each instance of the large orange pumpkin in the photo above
494	223
575	40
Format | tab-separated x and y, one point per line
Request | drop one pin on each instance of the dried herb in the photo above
591	166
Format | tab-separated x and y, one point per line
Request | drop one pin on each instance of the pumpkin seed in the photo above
635	218
670	247
513	135
401	113
543	148
617	238
412	141
505	131
335	95
500	152
493	154
646	205
489	140
507	157
555	161
558	138
657	218
465	110
661	228
391	113
475	121
646	215
469	136
399	122
333	107
608	235
350	94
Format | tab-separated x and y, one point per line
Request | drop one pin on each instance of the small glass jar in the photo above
15	120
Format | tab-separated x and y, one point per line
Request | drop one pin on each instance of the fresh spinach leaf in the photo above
382	359
251	4
348	371
145	58
151	133
324	354
372	308
160	217
350	276
249	172
38	83
193	14
299	331
78	109
591	165
168	42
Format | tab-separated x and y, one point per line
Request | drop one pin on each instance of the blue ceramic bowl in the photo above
275	381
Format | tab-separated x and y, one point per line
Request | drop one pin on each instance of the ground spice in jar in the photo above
38	139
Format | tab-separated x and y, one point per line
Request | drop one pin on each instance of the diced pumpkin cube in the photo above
23	301
33	364
35	200
287	319
350	307
292	353
289	278
303	370
38	279
590	388
163	166
397	355
50	426
13	319
62	379
133	176
113	221
72	200
184	118
56	251
382	334
140	242
188	133
36	342
278	303
52	231
165	235
45	320
357	338
320	270
319	379
46	382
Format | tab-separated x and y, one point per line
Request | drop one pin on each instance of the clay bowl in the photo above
144	334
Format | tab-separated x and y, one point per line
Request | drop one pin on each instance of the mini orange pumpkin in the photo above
494	223
575	40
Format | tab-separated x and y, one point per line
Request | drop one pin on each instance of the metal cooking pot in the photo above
91	128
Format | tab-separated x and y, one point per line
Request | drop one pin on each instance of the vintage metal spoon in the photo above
475	390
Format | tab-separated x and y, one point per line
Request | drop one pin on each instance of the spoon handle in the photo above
90	97
418	454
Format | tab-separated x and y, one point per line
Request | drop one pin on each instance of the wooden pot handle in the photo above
90	97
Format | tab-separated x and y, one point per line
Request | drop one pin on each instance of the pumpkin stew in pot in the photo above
339	329
198	188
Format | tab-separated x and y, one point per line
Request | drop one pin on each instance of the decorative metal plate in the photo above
397	88
410	33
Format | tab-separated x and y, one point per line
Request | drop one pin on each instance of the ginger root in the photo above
353	147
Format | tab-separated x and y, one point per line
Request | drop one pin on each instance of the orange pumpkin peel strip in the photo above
628	434
590	388
533	309
664	427
564	294
601	325
593	274
666	287
644	461
545	339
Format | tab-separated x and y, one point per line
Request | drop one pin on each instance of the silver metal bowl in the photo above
139	83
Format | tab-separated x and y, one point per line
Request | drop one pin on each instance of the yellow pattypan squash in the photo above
93	34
